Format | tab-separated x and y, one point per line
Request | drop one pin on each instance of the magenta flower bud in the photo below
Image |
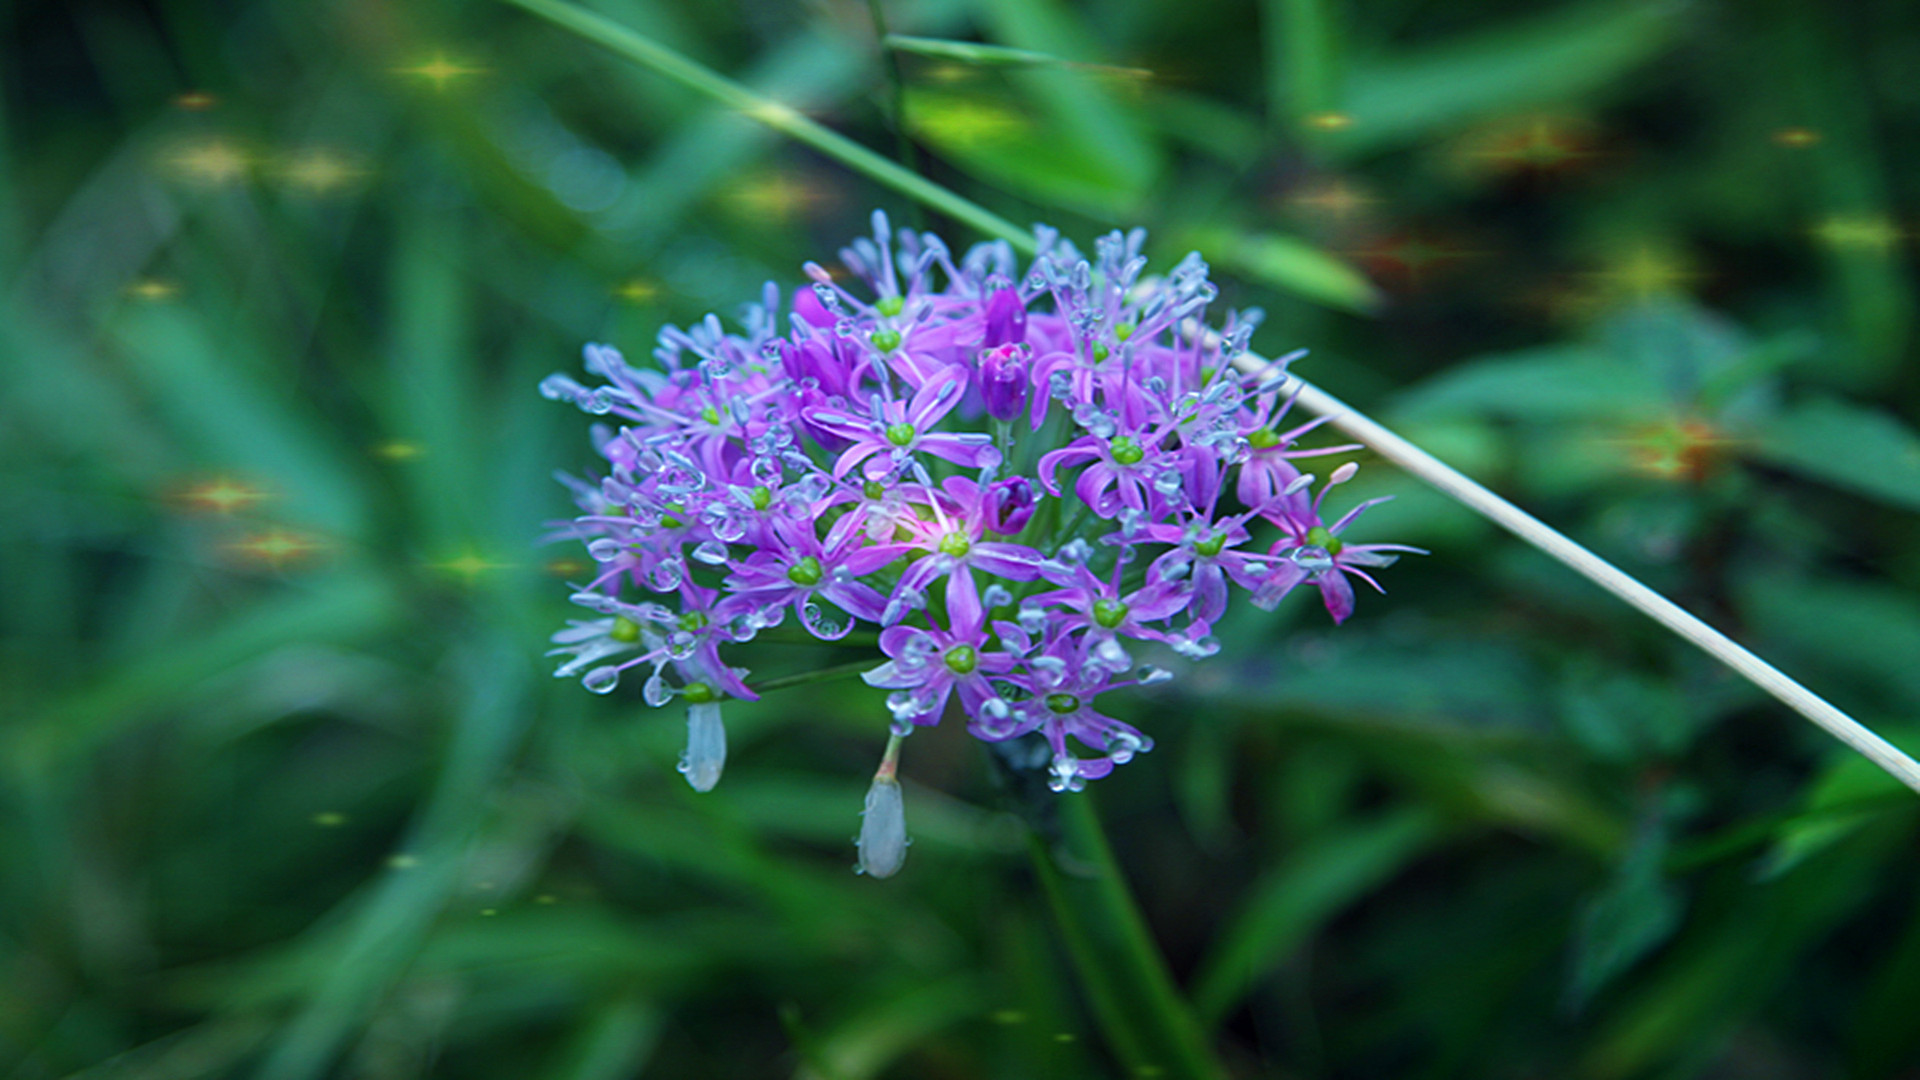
1006	319
1004	380
1009	504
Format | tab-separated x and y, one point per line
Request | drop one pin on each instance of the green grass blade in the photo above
782	118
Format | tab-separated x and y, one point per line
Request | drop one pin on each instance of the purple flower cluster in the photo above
1019	479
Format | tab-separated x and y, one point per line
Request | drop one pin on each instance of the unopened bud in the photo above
1009	505
883	829
706	745
1006	319
1004	381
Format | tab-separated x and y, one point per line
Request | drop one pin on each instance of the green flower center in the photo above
885	340
1211	545
1125	450
700	693
1123	331
710	414
962	659
668	519
900	434
873	489
1264	438
1099	351
1109	613
693	621
890	305
762	497
805	572
1063	703
1319	537
955	544
624	629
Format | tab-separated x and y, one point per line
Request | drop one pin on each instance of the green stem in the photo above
807	678
1146	1021
897	101
785	119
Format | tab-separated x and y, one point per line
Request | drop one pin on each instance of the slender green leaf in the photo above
1293	901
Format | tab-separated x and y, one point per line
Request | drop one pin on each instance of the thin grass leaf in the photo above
973	52
1290	903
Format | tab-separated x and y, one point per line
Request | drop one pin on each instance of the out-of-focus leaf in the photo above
1302	59
1295	899
1575	51
1007	144
1622	717
218	405
1851	447
866	1044
1553	383
1629	918
386	926
1076	101
1209	126
612	1044
1291	265
1849	780
1682	1010
339	608
1854	628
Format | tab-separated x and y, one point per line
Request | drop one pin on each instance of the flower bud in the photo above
1004	380
883	829
1006	319
706	745
1009	505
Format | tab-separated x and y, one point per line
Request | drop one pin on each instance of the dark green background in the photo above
286	788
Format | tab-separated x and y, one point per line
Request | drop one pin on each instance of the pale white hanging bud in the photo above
883	824
706	745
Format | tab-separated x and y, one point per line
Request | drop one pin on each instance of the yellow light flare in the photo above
777	197
398	450
440	71
195	101
1859	232
319	171
330	819
221	495
152	290
277	548
469	567
1412	257
1647	270
1797	138
214	161
637	291
1328	121
1682	449
566	568
1335	198
1537	143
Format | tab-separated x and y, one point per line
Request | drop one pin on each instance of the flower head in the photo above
1017	475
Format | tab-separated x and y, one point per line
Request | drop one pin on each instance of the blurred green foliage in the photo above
285	790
